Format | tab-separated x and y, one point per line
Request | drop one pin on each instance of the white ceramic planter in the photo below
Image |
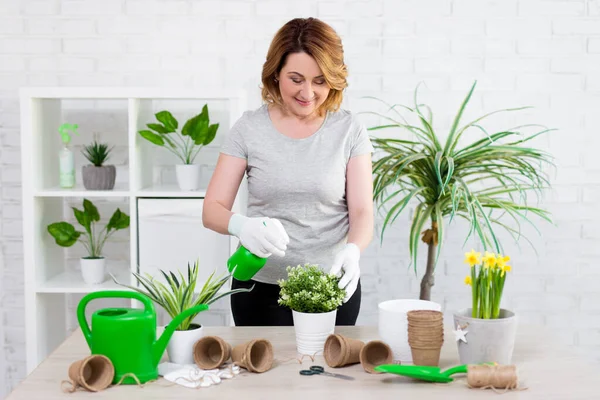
312	330
188	176
93	270
393	324
181	345
488	340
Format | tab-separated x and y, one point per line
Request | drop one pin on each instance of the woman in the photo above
309	175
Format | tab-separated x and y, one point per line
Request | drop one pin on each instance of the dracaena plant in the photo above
178	294
91	238
185	144
483	182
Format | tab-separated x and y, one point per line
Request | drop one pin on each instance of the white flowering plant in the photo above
310	290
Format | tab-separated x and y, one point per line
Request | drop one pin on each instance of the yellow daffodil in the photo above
468	280
501	261
505	268
472	258
489	260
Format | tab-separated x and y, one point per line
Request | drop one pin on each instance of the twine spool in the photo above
340	350
375	353
255	355
211	352
492	377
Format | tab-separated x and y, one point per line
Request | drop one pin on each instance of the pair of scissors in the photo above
318	370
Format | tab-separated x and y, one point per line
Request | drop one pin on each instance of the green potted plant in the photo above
482	182
185	144
176	294
93	266
486	332
314	297
97	175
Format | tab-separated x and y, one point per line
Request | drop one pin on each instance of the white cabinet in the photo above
165	230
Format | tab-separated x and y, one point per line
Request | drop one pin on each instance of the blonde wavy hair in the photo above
317	39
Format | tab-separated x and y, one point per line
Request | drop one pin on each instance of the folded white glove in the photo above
261	236
347	261
189	375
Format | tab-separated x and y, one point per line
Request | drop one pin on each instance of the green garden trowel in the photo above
424	373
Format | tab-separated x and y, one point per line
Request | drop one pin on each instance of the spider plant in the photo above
177	295
481	182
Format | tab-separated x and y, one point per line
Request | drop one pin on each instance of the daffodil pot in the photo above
99	178
93	270
181	345
188	176
312	330
485	340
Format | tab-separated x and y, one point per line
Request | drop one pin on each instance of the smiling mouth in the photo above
303	103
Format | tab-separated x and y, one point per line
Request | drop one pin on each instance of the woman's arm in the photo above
221	192
359	196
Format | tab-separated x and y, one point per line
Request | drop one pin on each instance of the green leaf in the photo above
64	233
211	134
167	120
152	137
119	220
91	210
159	128
83	218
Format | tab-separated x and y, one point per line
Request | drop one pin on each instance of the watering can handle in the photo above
103	294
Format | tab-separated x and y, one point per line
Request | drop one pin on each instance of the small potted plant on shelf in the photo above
97	176
314	297
486	332
93	266
196	133
177	294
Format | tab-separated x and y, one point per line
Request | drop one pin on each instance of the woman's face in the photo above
302	85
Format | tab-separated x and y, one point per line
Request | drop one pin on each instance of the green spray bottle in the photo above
245	264
66	157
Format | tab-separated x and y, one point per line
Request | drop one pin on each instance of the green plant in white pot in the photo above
314	297
482	182
185	144
177	294
98	175
93	266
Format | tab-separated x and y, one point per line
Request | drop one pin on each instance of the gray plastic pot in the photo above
488	340
99	178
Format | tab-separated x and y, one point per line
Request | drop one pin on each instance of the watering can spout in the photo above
158	348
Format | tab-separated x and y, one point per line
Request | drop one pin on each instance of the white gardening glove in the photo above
261	236
347	260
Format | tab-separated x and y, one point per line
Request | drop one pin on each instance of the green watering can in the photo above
127	336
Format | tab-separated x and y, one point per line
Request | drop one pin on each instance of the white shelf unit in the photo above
48	278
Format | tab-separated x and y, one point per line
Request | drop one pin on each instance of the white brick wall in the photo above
541	53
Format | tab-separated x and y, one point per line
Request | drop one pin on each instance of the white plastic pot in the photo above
93	270
181	345
487	340
188	176
312	330
393	324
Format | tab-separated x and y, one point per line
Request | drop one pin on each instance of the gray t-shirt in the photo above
301	182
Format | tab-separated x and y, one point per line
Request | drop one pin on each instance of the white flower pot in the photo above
487	340
188	176
393	324
312	330
181	345
93	270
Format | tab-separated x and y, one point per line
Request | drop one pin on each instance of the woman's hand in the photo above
347	261
261	236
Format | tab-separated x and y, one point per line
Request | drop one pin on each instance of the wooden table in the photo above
550	371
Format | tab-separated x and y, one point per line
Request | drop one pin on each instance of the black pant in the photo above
259	306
